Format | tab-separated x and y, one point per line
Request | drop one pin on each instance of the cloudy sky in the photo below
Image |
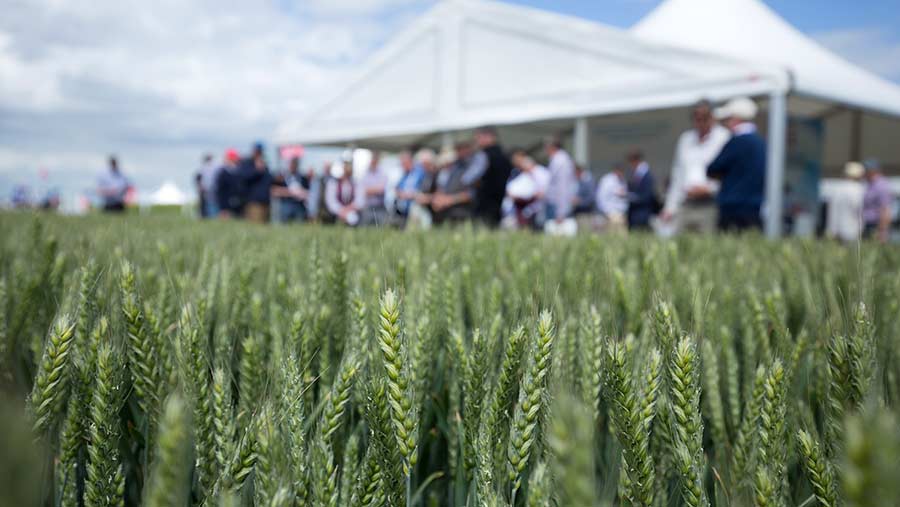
159	82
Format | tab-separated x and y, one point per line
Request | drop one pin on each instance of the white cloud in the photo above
871	48
160	81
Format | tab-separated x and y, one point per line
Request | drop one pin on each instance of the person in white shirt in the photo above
525	193
690	201
372	186
113	187
845	201
342	199
612	199
560	194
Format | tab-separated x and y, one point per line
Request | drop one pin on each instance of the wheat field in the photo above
162	362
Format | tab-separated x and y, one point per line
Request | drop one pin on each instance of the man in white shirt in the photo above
690	201
342	199
563	184
113	186
372	186
612	199
845	201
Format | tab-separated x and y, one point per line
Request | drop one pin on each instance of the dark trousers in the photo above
114	207
731	222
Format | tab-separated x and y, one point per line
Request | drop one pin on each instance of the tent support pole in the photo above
446	140
856	133
775	164
582	144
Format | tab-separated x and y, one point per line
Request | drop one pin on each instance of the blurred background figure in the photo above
230	187
526	192
372	187
21	197
642	200
563	184
50	201
206	186
878	202
112	187
342	200
258	181
291	189
420	209
408	186
587	189
452	199
690	201
491	185
612	200
844	219
741	168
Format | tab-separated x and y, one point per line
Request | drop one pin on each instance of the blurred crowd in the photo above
716	182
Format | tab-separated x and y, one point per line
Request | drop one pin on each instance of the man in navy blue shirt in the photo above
741	168
642	200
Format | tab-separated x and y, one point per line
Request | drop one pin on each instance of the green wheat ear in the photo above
51	384
571	440
169	479
402	412
528	411
104	480
818	470
685	405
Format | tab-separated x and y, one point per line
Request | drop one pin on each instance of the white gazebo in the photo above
468	63
168	194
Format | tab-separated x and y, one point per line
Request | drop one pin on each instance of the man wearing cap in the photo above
877	203
691	198
845	198
740	168
230	187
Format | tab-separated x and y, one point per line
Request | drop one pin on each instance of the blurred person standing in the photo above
372	187
207	175
878	201
452	200
408	186
230	188
112	186
419	215
844	213
612	199
643	203
258	181
585	191
490	174
690	200
740	167
342	200
563	185
291	188
526	191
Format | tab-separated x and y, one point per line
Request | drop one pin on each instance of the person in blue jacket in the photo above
741	168
643	203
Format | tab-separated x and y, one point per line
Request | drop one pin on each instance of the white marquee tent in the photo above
860	110
467	63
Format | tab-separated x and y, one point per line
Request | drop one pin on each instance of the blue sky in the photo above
160	82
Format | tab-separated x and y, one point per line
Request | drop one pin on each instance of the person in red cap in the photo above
230	191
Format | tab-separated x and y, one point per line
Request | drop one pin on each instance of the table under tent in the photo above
532	73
